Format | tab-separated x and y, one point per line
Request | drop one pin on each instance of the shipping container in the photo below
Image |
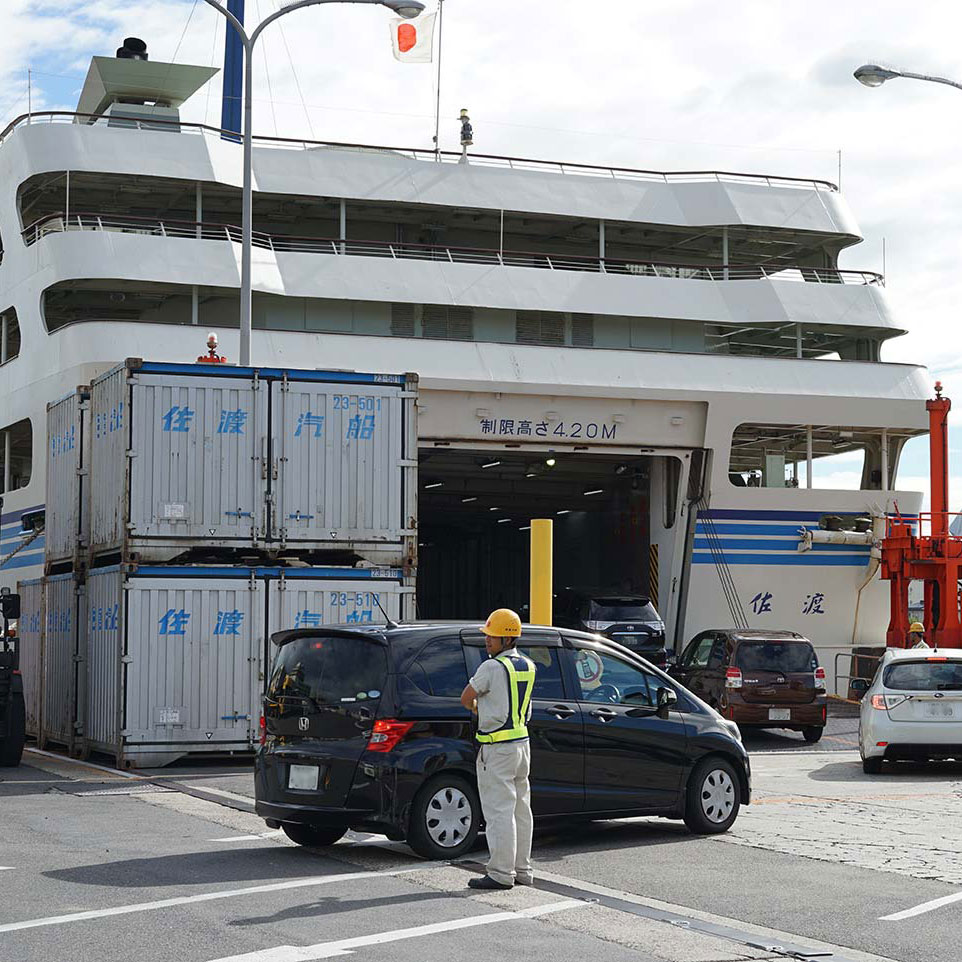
30	650
63	663
188	460
67	516
176	655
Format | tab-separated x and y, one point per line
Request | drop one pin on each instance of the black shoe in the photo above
486	882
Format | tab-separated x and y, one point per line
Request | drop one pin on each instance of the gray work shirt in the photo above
490	681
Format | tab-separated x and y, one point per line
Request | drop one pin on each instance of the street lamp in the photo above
874	75
408	9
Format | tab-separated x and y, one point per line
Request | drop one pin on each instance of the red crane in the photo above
925	550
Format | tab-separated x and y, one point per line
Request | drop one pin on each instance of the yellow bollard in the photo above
542	567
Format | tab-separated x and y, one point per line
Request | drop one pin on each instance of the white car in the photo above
912	708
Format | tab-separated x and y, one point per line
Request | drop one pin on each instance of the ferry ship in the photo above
660	362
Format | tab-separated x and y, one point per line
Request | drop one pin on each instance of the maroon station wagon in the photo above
760	679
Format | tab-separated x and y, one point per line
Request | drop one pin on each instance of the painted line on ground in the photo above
248	838
203	897
82	764
6	868
922	909
328	950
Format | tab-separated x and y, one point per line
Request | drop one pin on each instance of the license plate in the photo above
303	777
779	714
939	711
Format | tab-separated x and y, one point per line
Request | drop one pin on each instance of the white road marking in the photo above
204	897
328	950
922	909
248	838
6	868
76	761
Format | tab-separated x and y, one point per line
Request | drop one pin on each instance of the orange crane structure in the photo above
925	550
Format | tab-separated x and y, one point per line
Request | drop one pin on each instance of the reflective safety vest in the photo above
520	685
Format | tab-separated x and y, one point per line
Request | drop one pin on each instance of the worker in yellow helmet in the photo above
500	692
916	637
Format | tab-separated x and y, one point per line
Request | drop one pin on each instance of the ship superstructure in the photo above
658	361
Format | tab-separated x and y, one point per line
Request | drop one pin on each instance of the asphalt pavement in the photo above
171	865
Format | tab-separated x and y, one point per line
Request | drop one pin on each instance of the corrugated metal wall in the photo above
65	517
196	470
104	640
61	660
337	455
30	641
193	662
108	458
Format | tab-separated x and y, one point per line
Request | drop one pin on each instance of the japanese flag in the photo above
413	40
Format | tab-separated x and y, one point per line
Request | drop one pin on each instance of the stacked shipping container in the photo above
191	513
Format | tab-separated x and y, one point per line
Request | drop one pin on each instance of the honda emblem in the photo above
303	724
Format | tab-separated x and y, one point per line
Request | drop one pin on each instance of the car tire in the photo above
872	766
313	836
812	733
712	799
445	818
11	748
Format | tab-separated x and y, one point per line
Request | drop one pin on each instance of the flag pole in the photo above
437	107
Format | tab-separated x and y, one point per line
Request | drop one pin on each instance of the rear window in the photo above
783	656
622	609
924	676
439	668
329	671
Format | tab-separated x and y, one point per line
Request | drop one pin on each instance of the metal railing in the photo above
285	243
421	153
923	523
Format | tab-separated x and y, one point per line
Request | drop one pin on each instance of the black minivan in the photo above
363	729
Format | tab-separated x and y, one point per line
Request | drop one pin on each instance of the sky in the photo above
750	85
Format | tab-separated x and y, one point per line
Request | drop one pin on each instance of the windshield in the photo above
622	609
329	671
924	676
783	656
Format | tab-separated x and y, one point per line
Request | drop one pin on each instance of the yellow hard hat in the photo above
503	623
916	626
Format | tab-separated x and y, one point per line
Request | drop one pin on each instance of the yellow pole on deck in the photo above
542	560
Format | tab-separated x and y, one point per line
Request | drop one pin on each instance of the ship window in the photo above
451	323
540	327
402	320
9	335
582	330
16	456
843	457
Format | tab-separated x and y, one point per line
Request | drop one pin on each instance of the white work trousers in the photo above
506	802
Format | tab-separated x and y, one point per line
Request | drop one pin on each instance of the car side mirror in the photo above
667	699
858	686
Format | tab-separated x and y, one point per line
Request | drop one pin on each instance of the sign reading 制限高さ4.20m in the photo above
560	420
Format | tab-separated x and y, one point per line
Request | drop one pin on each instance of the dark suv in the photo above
631	620
762	679
363	729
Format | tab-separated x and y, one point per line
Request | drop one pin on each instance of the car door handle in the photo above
561	711
603	714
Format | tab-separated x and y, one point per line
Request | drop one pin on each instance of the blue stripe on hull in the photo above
808	559
776	544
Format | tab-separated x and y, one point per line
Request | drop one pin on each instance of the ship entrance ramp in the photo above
475	508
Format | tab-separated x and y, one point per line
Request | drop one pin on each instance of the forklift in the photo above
13	716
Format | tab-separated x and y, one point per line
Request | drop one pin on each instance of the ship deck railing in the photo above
60	222
425	154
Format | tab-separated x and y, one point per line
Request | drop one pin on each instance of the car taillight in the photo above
882	702
733	678
820	679
263	730
387	733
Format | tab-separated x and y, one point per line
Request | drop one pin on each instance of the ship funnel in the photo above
133	49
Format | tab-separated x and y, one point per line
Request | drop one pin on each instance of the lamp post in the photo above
874	75
408	9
